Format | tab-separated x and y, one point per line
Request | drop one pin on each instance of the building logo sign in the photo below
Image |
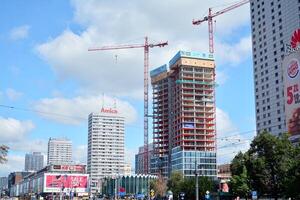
293	68
292	94
109	110
294	43
295	40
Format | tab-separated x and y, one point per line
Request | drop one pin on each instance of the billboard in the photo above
291	75
73	168
67	182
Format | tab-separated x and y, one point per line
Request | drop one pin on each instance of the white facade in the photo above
273	23
106	147
34	161
127	169
59	151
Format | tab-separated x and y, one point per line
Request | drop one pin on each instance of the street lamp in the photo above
196	176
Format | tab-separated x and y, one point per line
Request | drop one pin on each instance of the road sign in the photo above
254	194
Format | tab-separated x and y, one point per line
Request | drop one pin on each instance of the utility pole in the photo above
196	176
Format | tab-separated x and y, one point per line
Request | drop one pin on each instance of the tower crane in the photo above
210	17
146	46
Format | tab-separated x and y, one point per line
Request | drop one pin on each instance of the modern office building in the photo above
106	148
34	161
59	151
273	23
139	159
184	133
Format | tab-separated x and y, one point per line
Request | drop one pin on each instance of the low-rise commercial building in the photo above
53	180
120	186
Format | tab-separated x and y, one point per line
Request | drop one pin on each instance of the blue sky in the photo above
45	66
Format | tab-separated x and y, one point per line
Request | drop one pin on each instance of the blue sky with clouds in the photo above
45	66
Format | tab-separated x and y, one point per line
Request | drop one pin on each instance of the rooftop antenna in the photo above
103	100
115	104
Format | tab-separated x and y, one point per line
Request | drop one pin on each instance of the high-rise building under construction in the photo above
184	124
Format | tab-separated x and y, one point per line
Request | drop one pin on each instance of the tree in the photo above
175	182
160	187
270	167
240	184
3	153
188	186
238	163
270	159
205	184
292	182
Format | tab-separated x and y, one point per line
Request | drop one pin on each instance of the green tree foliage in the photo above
3	153
177	183
292	182
269	167
240	184
188	187
205	184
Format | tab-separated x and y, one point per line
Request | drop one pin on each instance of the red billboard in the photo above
57	182
73	168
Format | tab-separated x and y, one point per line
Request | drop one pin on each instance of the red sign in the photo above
76	168
109	110
66	181
295	40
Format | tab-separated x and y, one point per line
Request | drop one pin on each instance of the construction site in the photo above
184	115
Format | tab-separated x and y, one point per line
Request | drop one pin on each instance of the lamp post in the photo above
196	176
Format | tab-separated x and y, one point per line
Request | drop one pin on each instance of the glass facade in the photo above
126	185
186	162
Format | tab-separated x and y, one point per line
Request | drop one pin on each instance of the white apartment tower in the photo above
273	23
34	161
59	151
106	149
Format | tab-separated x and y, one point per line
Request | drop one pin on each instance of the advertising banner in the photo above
73	168
188	125
65	182
291	75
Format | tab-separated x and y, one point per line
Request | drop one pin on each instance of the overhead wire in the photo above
224	138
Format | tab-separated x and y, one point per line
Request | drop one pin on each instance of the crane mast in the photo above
146	47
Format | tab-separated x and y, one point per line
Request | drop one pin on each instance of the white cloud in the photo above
13	94
229	138
76	110
80	154
28	145
116	22
234	54
13	129
14	163
221	77
20	32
